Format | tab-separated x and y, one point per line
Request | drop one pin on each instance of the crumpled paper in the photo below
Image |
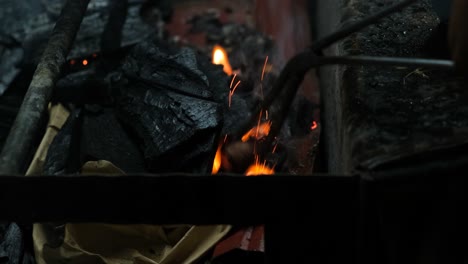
99	243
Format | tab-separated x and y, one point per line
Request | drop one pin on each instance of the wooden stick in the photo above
25	129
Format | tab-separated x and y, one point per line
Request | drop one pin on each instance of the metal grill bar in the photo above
176	199
15	153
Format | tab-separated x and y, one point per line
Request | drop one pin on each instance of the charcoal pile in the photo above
23	38
168	102
164	111
167	105
140	102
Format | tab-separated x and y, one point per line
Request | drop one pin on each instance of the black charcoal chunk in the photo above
63	156
178	72
12	246
167	102
104	138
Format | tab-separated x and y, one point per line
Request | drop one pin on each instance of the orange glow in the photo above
220	57
217	161
85	62
314	125
258	132
259	169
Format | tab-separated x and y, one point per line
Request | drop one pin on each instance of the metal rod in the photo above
179	198
292	75
18	145
388	61
346	31
317	48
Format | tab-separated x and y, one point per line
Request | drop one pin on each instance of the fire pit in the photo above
160	106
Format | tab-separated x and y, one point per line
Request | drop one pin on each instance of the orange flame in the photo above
220	57
258	132
217	161
259	169
84	62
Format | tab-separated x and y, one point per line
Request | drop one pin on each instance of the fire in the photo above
217	161
220	57
314	125
258	132
259	169
85	62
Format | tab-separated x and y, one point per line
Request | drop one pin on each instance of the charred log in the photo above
167	101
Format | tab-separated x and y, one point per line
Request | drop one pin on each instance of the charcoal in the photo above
178	72
167	100
12	247
10	58
104	138
63	154
239	109
22	41
83	87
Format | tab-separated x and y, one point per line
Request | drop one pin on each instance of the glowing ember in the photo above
259	169
258	132
220	57
217	161
314	125
85	62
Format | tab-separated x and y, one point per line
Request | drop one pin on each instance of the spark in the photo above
231	92
263	75
258	124
274	148
232	81
264	67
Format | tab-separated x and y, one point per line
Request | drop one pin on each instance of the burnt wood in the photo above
167	101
